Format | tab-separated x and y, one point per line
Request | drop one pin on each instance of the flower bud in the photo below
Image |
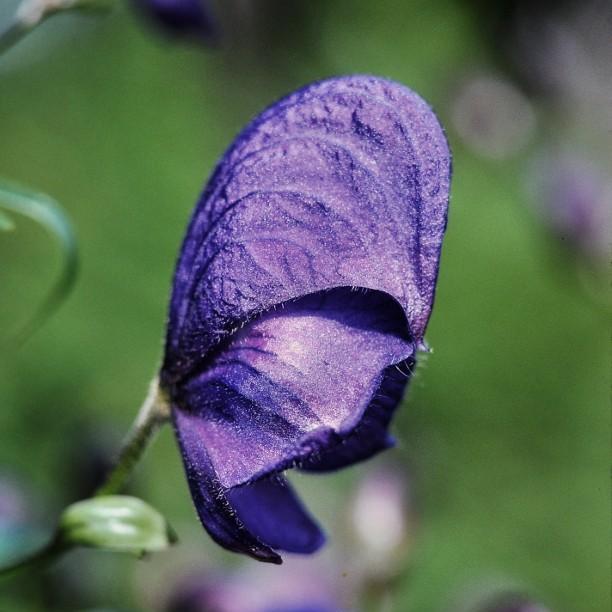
117	523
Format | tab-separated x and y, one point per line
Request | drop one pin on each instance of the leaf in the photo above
47	212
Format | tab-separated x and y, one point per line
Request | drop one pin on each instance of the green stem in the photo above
154	412
12	35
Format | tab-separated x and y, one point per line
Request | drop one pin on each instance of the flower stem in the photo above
154	412
12	35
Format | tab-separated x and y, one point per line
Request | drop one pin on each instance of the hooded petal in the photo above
344	183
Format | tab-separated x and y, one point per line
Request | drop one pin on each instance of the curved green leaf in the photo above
47	212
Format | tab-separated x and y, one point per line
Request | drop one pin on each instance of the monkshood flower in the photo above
181	18
301	295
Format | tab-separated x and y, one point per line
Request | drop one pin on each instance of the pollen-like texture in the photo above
302	291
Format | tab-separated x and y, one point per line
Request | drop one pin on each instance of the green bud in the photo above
117	523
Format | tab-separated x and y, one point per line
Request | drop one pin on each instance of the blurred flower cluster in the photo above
376	531
556	57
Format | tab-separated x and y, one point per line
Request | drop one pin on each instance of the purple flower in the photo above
301	294
186	18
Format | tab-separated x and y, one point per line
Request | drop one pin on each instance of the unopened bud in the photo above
117	523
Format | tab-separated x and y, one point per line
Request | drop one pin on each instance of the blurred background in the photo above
504	436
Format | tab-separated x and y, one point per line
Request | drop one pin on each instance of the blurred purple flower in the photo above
492	116
295	588
203	592
184	18
574	199
12	504
301	295
382	519
19	529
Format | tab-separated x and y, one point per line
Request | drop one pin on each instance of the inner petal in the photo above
292	381
270	510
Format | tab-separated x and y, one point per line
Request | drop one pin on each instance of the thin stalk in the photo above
12	35
154	412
